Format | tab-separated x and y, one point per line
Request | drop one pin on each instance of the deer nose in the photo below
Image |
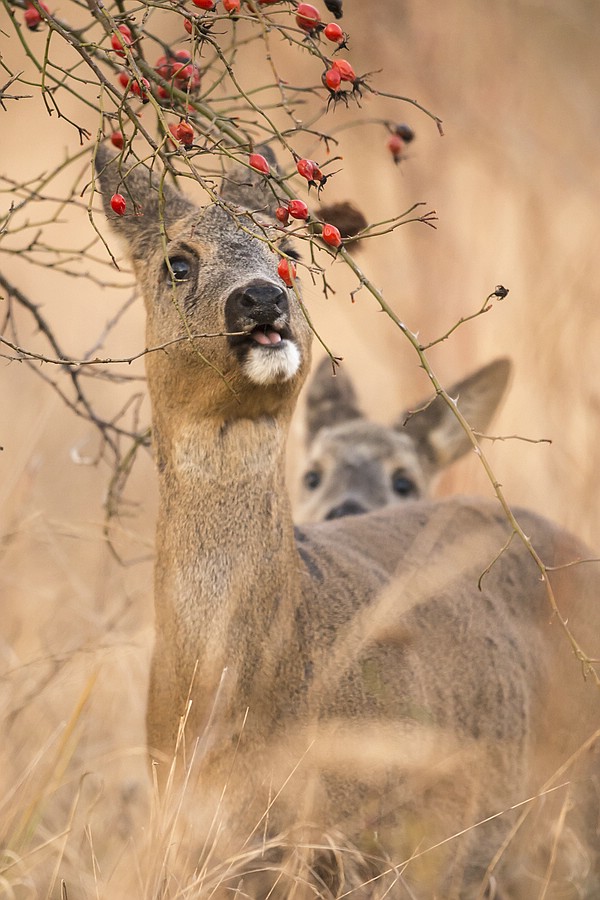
261	301
347	508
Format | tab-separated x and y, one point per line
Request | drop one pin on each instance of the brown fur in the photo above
351	678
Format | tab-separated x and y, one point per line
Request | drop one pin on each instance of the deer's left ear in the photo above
246	187
329	401
148	201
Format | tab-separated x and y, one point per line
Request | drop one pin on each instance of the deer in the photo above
355	465
376	705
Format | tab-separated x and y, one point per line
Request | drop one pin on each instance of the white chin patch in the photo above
267	365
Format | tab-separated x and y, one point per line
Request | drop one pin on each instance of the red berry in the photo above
396	147
118	204
259	163
282	214
162	67
334	33
345	69
307	17
117	140
124	79
141	89
117	43
332	79
306	168
32	18
204	4
184	133
286	270
331	235
298	209
231	5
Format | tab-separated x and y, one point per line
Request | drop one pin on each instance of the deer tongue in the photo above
267	336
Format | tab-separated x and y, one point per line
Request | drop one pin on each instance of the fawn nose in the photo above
261	301
347	508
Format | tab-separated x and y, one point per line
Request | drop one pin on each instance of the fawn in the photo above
353	693
355	465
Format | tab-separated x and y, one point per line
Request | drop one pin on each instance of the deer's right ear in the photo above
330	400
147	202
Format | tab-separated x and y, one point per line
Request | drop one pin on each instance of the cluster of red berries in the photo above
179	69
32	16
340	70
309	20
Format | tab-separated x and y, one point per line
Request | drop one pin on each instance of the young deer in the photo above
351	691
355	465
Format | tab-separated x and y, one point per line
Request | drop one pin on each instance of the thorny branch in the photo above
82	62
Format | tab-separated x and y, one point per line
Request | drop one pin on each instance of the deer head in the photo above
355	465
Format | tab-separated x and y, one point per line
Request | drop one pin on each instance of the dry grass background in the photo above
516	184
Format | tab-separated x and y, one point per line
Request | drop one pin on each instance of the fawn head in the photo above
214	299
355	465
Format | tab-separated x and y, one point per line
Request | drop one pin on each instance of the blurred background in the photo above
515	183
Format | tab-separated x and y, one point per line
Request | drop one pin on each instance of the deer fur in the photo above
347	689
355	465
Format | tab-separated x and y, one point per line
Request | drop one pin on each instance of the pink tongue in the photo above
271	337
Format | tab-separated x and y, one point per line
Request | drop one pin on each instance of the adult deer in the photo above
355	465
348	690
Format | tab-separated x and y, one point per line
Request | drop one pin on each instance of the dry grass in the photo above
516	183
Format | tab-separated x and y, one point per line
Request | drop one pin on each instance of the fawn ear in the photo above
245	187
435	429
330	400
148	201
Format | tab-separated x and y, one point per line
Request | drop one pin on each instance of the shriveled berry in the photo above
345	69
204	4
259	163
334	33
306	168
298	209
332	79
117	42
282	214
405	132
331	235
335	6
231	5
286	270
184	133
118	204
117	139
307	17
140	89
396	147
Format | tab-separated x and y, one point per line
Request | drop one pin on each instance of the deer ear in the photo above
330	400
437	432
246	187
148	202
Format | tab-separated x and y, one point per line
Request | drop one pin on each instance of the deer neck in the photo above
226	569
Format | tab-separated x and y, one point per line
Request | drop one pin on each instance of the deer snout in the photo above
258	303
347	508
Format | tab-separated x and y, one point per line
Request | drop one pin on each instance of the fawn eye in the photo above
312	479
402	485
180	268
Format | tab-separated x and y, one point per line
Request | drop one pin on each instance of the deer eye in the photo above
312	479
402	485
180	268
